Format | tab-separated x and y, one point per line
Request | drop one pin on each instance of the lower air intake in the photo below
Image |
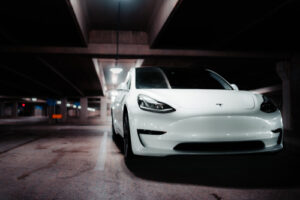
220	146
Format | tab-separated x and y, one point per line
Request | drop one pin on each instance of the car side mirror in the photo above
234	86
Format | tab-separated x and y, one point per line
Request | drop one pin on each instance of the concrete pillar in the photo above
2	107
284	71
63	109
295	92
14	109
83	111
50	112
37	111
103	109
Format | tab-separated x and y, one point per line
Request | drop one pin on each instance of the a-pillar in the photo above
14	109
50	112
63	109
103	109
84	109
284	71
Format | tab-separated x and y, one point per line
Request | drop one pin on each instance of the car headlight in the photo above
267	105
149	104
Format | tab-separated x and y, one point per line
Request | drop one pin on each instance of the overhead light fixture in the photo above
116	70
114	79
33	99
58	102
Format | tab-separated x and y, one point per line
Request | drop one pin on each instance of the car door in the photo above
123	90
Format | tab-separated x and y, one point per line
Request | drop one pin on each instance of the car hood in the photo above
205	100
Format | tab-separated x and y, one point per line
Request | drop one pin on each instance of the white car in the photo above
178	111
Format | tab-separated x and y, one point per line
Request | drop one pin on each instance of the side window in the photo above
150	78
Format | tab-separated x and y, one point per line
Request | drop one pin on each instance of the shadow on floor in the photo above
247	171
235	171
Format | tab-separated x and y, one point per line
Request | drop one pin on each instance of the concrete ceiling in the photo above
48	76
134	15
125	64
269	25
45	49
36	22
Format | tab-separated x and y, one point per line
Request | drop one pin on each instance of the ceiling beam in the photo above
125	37
78	11
136	51
162	13
100	75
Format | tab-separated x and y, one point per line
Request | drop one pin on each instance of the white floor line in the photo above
102	153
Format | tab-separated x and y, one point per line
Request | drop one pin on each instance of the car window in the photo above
179	78
151	77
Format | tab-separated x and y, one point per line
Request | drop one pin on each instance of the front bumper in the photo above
192	128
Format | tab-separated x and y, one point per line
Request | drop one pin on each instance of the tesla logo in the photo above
219	104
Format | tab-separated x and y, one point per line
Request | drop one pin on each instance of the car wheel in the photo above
114	134
128	154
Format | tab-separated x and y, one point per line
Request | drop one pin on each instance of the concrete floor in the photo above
82	162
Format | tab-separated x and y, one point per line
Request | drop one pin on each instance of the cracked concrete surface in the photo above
61	165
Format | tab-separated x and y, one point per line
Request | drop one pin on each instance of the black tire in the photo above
114	134
128	154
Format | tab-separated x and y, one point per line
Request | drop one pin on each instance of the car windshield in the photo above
179	78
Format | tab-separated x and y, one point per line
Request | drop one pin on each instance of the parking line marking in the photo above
102	153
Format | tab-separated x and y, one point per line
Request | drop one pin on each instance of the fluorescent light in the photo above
114	79
68	105
79	107
74	106
33	99
116	70
92	109
58	102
